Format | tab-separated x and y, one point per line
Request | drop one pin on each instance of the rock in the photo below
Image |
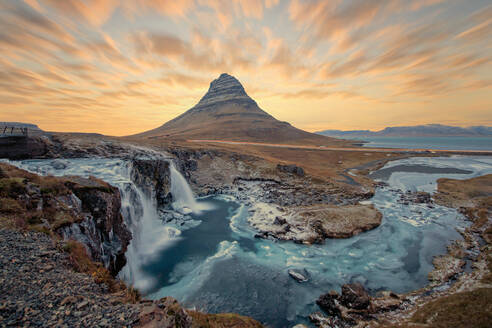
279	221
59	164
153	176
329	303
445	267
419	197
299	275
16	148
354	296
292	169
321	321
68	300
388	302
102	229
353	306
59	297
165	313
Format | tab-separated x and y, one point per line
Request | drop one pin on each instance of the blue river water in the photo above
449	143
216	264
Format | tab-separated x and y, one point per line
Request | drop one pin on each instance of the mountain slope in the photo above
226	112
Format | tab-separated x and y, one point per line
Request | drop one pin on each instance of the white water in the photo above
183	199
149	235
250	276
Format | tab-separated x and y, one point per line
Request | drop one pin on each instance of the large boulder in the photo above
329	303
292	169
354	296
352	306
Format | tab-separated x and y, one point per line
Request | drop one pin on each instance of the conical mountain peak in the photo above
225	89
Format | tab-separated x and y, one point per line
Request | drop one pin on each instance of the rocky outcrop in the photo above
292	169
39	289
86	210
314	224
102	230
19	147
166	312
154	178
353	305
419	197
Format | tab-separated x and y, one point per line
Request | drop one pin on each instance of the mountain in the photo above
226	112
429	130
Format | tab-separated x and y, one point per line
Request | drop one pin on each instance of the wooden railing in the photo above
13	131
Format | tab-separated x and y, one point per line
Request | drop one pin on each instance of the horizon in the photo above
364	130
124	67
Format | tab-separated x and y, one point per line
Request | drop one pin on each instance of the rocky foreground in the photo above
62	241
39	288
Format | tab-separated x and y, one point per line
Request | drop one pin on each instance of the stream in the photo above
206	255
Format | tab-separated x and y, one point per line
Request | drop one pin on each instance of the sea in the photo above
445	143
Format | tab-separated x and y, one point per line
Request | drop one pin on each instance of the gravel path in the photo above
38	289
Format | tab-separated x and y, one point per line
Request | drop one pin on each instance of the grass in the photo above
12	187
10	206
222	320
461	310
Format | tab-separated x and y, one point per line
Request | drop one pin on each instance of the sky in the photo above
123	67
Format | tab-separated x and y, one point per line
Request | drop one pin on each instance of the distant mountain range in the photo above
429	130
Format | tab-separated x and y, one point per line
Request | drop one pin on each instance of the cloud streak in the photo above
135	64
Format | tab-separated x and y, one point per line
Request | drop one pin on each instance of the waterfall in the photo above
139	209
149	234
184	201
183	198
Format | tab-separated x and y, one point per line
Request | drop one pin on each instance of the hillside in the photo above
226	112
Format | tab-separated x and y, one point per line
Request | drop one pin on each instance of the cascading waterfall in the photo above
183	198
150	235
139	209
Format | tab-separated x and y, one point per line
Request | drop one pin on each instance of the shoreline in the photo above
356	149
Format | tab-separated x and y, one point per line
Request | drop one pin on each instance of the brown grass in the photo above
81	262
222	320
461	310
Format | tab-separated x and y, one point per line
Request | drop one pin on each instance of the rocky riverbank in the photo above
455	296
284	202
